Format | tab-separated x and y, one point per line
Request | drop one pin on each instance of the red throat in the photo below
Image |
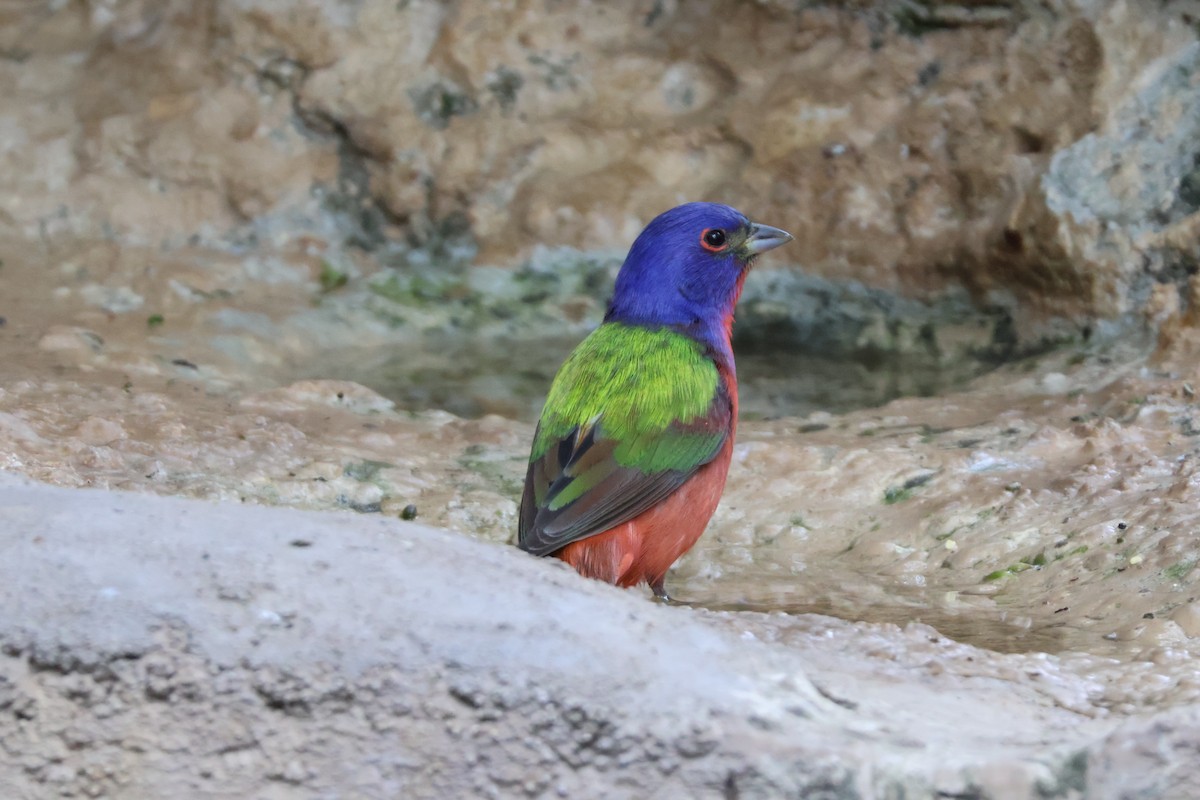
727	322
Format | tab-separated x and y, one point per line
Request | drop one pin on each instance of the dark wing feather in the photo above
604	493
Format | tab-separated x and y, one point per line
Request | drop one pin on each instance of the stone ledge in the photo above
164	647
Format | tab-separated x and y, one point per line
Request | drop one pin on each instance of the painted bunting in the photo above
633	446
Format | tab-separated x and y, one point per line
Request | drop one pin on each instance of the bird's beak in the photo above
763	238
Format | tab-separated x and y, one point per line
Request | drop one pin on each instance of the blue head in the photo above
685	270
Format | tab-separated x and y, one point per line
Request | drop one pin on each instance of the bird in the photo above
634	441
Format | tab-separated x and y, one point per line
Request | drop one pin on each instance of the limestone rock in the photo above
1037	154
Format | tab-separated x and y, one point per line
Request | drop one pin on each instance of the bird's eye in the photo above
712	239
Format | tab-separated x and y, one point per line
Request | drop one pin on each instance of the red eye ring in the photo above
713	240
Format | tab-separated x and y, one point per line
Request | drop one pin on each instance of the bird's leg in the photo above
660	593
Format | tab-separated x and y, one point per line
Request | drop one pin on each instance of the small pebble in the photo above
409	512
1187	617
67	339
97	431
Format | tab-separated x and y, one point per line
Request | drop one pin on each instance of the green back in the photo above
641	381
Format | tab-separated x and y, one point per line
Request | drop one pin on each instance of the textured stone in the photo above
1039	156
309	654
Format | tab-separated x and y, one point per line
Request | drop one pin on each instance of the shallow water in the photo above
1002	637
473	378
985	628
895	445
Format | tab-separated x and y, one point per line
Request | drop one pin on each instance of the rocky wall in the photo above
1040	155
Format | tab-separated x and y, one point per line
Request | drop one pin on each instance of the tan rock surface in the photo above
1039	156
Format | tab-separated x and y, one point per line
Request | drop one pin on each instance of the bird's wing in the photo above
631	416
